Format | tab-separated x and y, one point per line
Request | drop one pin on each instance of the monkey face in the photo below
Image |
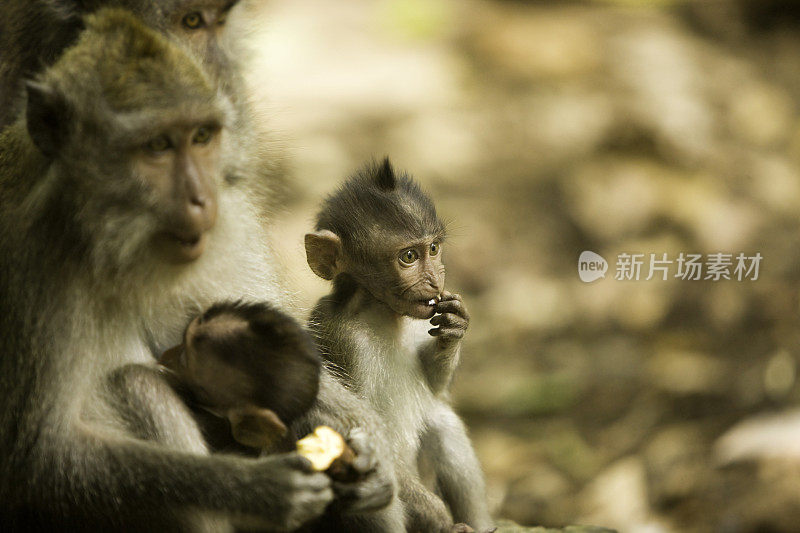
136	139
180	167
200	24
412	279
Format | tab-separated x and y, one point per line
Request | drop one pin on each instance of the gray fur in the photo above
390	359
92	439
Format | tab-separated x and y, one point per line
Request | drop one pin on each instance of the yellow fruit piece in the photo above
322	447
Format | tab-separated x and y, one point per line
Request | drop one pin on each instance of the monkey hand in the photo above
451	319
375	487
289	491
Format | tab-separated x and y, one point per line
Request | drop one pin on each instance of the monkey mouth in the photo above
430	302
183	247
423	307
187	242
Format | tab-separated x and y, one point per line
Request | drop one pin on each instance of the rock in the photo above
676	462
618	497
687	372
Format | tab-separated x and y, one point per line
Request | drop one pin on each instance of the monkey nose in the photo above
198	199
201	212
434	287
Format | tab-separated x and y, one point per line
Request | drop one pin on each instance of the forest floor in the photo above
543	130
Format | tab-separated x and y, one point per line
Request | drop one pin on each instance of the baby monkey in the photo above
247	363
379	239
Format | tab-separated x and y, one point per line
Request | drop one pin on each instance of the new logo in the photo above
591	266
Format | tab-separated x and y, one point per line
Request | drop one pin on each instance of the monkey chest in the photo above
396	387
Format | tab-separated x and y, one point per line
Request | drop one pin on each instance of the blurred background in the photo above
543	129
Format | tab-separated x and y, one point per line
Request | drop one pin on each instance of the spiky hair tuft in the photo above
377	201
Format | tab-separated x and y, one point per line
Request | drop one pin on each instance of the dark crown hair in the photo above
275	351
374	201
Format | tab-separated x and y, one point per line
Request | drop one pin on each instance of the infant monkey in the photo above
379	239
249	363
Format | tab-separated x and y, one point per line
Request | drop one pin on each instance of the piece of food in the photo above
328	452
322	447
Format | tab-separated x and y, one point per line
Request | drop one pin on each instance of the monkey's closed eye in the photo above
409	256
203	135
158	144
193	20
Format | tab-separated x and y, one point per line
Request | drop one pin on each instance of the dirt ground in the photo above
545	129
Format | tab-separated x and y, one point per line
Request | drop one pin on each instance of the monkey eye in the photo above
435	247
409	256
158	144
203	135
193	20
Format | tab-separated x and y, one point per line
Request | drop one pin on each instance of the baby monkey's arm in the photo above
440	356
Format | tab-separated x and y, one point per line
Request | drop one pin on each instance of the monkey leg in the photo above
424	510
390	519
458	473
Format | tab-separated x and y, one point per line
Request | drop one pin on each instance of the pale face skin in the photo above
411	278
181	167
201	24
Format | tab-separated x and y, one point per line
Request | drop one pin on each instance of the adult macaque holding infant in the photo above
126	209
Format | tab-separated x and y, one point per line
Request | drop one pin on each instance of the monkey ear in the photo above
47	118
323	251
385	177
255	426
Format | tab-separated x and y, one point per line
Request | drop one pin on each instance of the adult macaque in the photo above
115	221
379	240
71	223
250	364
34	33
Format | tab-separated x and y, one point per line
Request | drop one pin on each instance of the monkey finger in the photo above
362	497
364	464
452	333
316	482
366	460
309	506
435	332
450	296
450	320
453	306
298	462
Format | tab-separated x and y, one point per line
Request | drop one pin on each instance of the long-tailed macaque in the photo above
379	240
115	221
250	364
34	33
77	241
258	369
